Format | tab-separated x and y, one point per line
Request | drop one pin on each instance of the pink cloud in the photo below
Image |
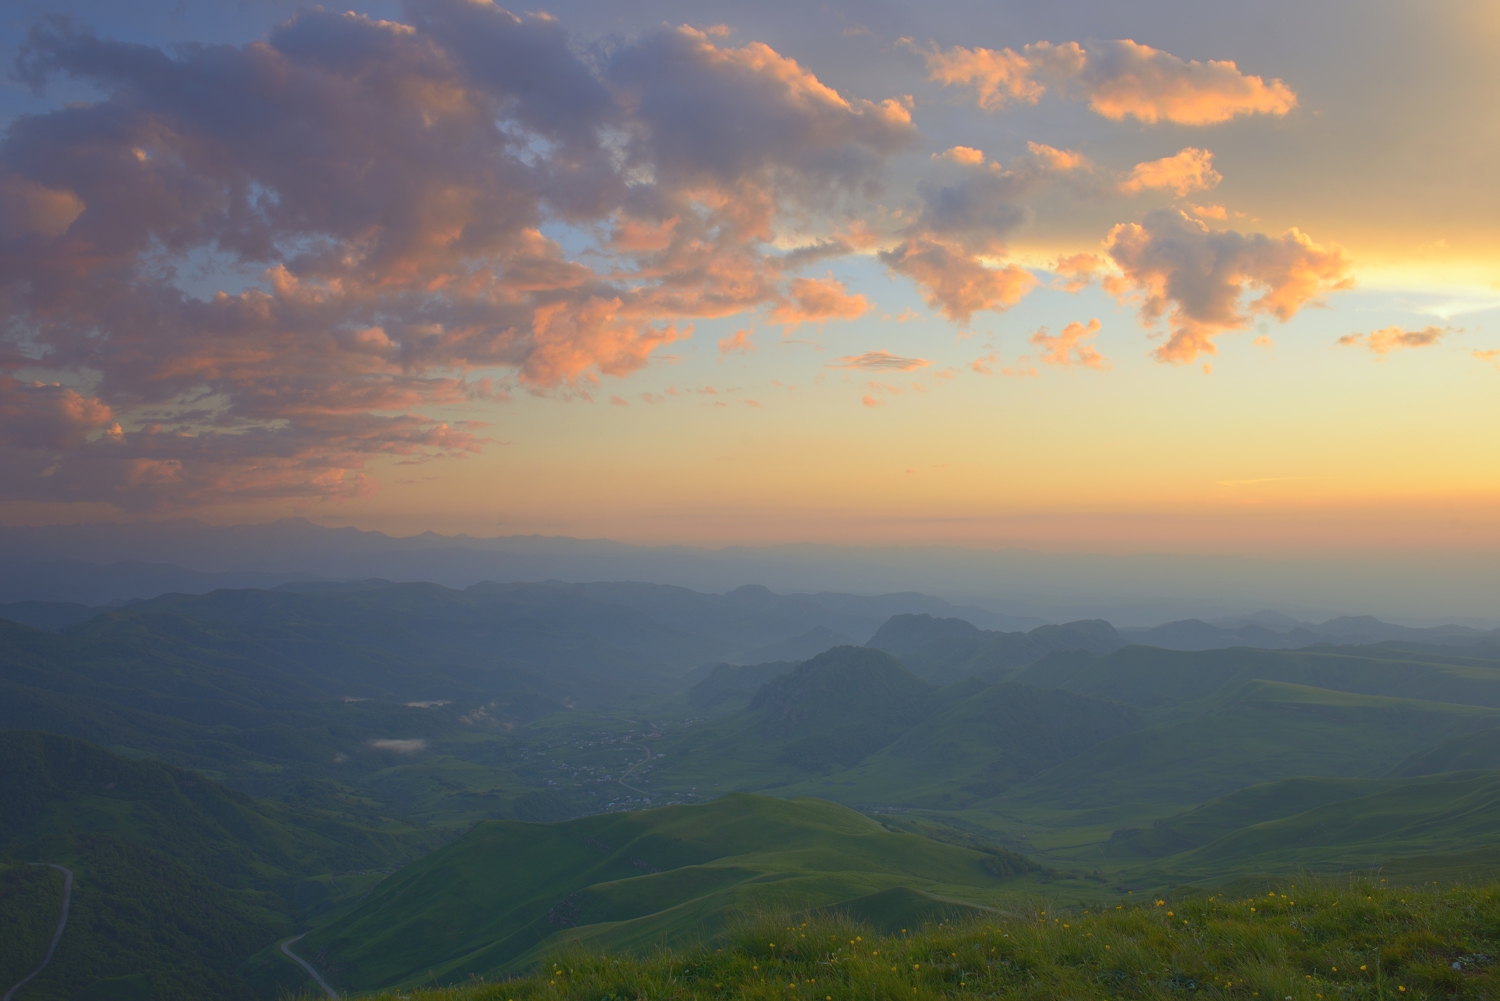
389	182
813	300
738	344
1390	339
955	281
1067	348
1191	169
881	361
1118	79
1197	278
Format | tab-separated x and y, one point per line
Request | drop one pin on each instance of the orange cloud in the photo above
871	401
1078	270
738	344
389	273
1492	356
956	282
817	301
881	361
1118	79
1190	170
1062	160
41	415
1397	338
961	154
1067	348
1197	277
29	207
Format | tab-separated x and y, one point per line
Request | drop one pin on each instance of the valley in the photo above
376	767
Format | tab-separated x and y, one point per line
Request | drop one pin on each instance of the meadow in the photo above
1306	939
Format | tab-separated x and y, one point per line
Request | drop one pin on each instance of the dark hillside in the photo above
734	683
947	650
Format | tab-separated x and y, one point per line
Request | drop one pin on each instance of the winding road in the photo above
62	923
286	947
632	768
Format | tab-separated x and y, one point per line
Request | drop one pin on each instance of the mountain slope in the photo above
826	714
500	896
1448	816
1003	734
1243	735
946	650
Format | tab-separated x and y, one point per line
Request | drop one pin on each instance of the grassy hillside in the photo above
507	892
828	713
1446	821
178	880
977	747
1304	940
1148	677
1242	735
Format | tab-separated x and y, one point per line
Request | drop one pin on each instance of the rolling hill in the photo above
1242	735
976	747
178	880
507	893
827	713
1441	826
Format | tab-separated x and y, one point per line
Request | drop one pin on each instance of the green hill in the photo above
1239	736
1148	677
977	747
1301	939
731	686
1444	820
828	713
178	880
508	892
1465	752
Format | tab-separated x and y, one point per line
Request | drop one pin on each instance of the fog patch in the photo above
399	746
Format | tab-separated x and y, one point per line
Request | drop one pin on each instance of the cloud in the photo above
738	344
38	415
1491	356
1197	278
372	196
1057	159
399	746
955	281
953	247
1078	270
1067	349
1190	170
881	361
871	401
1398	338
1118	79
814	300
966	155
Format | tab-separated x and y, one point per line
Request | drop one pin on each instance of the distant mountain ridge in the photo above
947	650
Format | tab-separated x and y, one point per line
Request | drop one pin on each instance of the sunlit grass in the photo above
1307	941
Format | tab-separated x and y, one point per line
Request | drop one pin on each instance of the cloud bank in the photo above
377	204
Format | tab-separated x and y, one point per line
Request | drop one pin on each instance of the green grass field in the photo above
1304	939
508	892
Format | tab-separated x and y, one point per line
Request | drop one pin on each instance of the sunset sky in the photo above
1179	277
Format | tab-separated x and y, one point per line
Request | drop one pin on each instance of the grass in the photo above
1308	940
509	892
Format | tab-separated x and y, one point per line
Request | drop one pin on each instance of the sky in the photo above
1085	276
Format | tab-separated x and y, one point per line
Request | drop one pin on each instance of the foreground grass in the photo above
1305	941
